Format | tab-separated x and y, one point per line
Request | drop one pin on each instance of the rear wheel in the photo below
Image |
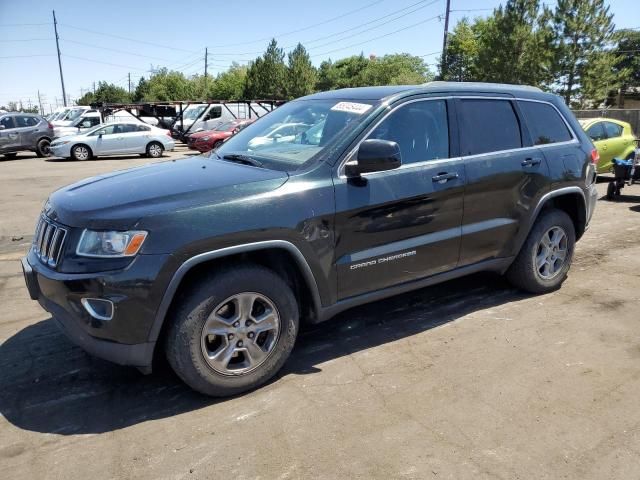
81	152
43	148
154	150
233	331
544	259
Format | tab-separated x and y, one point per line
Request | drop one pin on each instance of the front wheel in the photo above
43	148
154	150
544	260
80	153
233	331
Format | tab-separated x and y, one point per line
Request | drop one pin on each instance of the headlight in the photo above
55	144
110	244
204	139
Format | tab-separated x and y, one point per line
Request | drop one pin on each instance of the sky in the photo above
114	39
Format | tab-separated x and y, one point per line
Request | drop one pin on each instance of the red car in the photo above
210	139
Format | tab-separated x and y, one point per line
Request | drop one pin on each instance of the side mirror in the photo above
277	136
374	156
2	127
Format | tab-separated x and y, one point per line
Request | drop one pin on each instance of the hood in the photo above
210	133
119	199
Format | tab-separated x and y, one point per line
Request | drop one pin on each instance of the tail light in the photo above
595	156
50	125
168	133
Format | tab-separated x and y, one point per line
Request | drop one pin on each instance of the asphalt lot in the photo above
468	379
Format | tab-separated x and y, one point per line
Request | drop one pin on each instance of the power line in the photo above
23	24
137	40
114	50
29	56
378	37
308	27
370	28
105	63
26	40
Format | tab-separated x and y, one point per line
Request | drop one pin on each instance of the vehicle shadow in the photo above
49	385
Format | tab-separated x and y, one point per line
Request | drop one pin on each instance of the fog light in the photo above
98	308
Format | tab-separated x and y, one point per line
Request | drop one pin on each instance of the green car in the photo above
612	138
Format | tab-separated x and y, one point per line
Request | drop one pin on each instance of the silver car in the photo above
24	131
114	139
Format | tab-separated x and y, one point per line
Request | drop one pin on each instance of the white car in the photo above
114	139
283	133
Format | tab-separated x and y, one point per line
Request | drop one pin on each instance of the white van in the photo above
90	119
198	117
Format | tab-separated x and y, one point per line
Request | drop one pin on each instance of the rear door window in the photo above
420	129
544	123
596	132
488	126
7	122
613	130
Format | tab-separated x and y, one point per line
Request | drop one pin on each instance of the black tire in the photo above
43	148
523	272
217	144
155	150
183	346
611	191
10	156
81	152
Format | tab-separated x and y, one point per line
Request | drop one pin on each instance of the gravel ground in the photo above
468	379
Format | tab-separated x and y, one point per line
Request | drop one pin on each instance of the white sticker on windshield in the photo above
350	107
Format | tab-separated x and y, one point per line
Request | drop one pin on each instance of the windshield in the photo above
75	113
193	111
223	127
292	135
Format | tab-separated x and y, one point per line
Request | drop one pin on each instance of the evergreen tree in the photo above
301	74
266	77
583	28
142	90
461	55
628	59
514	44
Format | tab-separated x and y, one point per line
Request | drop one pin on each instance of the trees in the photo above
461	54
301	74
267	74
514	44
628	59
229	85
106	93
167	85
583	28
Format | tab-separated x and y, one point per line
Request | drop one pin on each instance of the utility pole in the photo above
94	88
129	83
40	103
206	58
55	28
443	62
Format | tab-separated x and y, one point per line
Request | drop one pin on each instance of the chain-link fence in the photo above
629	115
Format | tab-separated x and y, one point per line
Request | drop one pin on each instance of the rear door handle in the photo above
444	177
530	162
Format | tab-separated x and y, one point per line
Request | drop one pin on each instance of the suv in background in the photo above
217	259
24	131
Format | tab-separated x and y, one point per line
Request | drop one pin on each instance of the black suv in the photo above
216	259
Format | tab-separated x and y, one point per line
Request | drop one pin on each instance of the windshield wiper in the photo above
243	159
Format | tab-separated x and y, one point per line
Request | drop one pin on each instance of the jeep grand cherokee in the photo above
217	259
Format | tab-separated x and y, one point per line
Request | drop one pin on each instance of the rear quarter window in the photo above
544	123
488	126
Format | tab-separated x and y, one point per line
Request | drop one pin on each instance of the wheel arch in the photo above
572	201
80	144
279	255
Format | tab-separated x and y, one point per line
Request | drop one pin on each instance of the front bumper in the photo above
125	338
63	151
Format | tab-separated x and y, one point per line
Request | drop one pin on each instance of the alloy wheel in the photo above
240	334
551	253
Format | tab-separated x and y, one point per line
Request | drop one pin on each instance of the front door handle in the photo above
530	162
444	177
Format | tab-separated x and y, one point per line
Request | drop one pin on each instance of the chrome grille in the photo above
48	241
